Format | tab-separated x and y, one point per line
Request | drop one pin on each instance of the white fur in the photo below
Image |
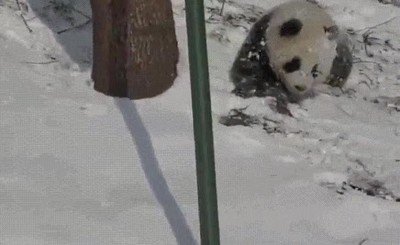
311	45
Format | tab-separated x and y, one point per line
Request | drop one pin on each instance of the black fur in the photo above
251	72
293	65
332	32
315	72
341	66
291	28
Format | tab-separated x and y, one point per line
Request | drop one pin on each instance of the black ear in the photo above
290	28
332	32
293	65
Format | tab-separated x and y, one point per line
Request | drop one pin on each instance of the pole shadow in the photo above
153	173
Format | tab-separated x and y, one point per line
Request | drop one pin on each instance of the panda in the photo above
289	51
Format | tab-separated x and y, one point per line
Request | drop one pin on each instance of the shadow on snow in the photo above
77	43
152	171
66	16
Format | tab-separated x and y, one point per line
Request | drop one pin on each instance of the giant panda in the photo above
289	51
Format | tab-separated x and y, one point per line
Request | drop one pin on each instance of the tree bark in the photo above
134	47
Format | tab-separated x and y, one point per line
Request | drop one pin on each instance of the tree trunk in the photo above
134	47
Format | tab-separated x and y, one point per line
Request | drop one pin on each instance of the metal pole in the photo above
202	123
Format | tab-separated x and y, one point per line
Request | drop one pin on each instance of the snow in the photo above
77	167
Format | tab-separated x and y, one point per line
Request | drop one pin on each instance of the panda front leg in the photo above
247	82
250	71
252	75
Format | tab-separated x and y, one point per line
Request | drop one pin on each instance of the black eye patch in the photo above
293	65
291	28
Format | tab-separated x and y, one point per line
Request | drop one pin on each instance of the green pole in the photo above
202	123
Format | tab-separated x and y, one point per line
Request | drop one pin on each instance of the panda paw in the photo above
245	90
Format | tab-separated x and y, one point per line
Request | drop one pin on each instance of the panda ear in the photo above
290	28
332	31
293	65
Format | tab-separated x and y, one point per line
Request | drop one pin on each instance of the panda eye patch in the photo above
291	28
293	65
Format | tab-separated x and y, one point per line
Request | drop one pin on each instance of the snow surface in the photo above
77	167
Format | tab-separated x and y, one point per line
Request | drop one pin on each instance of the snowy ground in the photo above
77	167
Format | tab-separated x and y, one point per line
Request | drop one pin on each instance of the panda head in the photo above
300	45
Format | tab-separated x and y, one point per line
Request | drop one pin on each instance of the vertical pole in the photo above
202	123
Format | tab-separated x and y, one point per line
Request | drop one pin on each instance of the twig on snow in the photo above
75	27
365	61
22	16
367	41
371	81
222	7
80	12
40	63
53	60
377	25
362	165
363	241
89	19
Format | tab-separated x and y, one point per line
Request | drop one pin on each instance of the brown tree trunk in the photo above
134	47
